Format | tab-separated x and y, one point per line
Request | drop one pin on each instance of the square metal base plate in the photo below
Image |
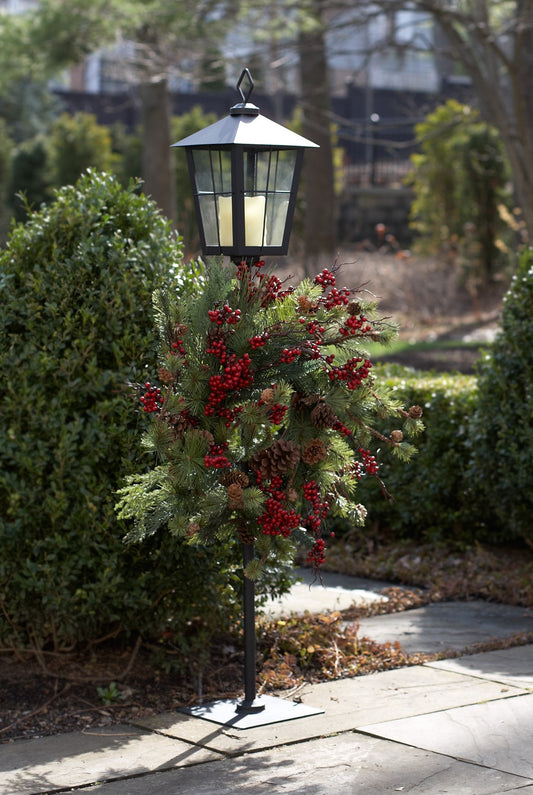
275	710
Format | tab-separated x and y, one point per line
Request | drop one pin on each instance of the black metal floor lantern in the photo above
244	171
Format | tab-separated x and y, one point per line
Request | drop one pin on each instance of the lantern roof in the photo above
245	126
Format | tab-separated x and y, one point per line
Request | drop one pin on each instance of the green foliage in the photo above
128	156
502	431
110	694
460	181
431	494
77	143
30	181
5	153
263	426
75	309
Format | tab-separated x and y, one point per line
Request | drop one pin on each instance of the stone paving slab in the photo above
70	760
508	666
347	704
349	764
333	592
497	734
447	625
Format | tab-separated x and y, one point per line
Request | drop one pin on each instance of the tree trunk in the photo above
157	161
320	234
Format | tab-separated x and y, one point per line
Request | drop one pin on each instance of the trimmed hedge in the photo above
430	494
76	287
472	479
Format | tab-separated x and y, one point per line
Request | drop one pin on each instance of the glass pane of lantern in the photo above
206	203
278	205
281	174
268	182
212	170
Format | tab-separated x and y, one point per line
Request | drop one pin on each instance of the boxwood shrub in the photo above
76	284
502	429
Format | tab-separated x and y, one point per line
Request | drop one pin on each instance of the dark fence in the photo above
374	128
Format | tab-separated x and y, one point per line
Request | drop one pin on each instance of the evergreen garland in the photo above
262	425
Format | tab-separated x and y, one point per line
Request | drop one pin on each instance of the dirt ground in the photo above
57	693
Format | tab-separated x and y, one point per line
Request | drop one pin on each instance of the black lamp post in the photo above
244	172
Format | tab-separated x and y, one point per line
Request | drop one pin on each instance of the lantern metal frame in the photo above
244	172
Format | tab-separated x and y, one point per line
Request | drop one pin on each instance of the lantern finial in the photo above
245	74
245	108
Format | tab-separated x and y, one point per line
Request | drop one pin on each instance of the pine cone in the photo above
304	303
354	308
299	402
315	451
165	375
245	536
278	459
267	395
396	436
180	423
235	476
180	329
362	511
192	529
296	402
234	493
415	412
322	416
310	400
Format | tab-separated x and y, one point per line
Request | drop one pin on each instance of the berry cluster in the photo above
216	457
313	327
353	372
276	413
229	414
320	507
152	398
313	349
288	355
178	348
217	347
276	520
353	325
336	298
235	376
341	428
325	278
259	340
316	555
224	315
369	462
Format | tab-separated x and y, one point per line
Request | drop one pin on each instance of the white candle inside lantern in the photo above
254	218
225	220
